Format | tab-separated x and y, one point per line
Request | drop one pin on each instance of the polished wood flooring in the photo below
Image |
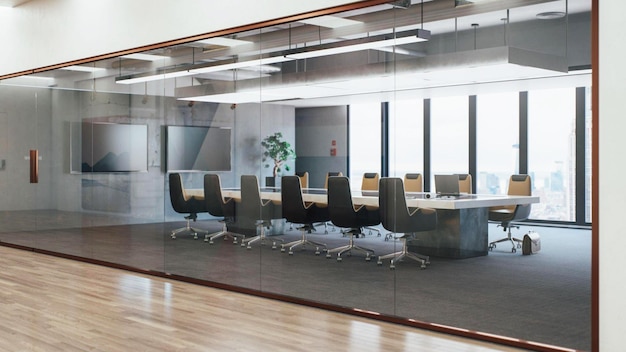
54	304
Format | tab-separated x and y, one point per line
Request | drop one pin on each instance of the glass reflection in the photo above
244	85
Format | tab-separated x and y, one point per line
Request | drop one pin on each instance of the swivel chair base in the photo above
303	241
424	260
223	233
349	247
515	242
187	228
246	242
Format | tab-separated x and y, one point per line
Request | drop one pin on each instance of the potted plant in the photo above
279	151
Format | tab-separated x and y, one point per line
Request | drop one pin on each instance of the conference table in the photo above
462	221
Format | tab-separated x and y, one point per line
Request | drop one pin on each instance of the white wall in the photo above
44	32
612	193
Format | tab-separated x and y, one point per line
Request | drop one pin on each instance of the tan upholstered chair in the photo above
413	183
304	179
465	183
370	181
519	185
330	174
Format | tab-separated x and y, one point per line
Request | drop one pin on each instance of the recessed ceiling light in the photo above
550	15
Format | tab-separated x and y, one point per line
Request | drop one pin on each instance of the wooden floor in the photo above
55	304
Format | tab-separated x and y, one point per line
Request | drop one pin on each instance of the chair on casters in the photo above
370	183
519	185
304	179
254	212
465	183
219	206
329	175
344	214
185	204
297	212
304	183
413	183
398	218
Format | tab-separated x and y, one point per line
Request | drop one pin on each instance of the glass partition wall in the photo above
111	134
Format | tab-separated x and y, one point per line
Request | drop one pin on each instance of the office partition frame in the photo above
427	172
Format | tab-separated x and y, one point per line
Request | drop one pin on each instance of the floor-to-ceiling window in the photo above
449	135
497	139
406	137
551	144
364	130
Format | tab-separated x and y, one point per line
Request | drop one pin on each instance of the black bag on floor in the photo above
531	243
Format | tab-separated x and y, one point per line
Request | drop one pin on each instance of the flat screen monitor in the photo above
113	147
197	148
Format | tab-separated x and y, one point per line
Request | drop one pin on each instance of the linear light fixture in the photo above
150	76
373	42
346	46
234	64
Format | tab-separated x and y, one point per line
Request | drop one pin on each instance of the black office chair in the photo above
519	185
184	204
219	206
296	211
398	218
344	214
370	183
255	213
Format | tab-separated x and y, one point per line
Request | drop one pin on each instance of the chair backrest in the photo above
340	206
465	183
413	183
394	212
304	179
329	174
249	210
520	185
181	202
214	199
291	199
370	181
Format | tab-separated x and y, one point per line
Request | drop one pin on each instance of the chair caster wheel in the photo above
367	259
423	266
243	244
379	263
282	250
339	259
290	253
392	267
513	250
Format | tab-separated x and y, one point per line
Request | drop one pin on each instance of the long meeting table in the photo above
462	230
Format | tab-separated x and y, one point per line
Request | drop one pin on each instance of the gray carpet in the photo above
543	297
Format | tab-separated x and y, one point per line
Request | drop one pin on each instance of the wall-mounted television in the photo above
197	148
113	147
